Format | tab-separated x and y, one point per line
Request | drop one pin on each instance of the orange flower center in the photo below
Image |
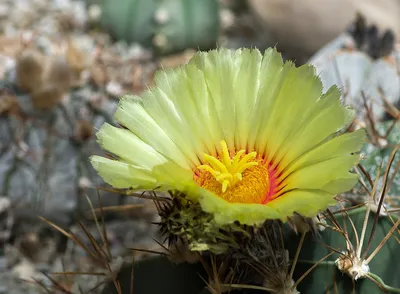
242	178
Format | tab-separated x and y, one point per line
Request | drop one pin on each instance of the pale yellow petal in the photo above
226	213
182	100
272	74
245	93
339	146
128	146
220	72
325	118
317	176
131	114
295	100
305	202
122	175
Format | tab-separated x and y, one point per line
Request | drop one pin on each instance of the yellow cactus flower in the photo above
246	135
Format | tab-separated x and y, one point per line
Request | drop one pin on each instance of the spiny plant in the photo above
363	239
98	251
343	250
252	216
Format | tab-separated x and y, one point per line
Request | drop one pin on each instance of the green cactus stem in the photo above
382	274
167	26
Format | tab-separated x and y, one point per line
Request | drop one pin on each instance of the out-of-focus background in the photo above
63	66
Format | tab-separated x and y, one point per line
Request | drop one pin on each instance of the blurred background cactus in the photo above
363	62
302	28
168	26
64	65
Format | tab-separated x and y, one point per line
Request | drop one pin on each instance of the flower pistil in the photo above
228	171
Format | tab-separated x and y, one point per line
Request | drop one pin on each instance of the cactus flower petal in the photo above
246	135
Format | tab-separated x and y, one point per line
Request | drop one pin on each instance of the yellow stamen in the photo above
225	185
209	169
228	171
222	177
215	163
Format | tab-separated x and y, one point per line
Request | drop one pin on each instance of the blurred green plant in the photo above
167	26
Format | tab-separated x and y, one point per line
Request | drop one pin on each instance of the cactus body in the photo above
358	74
325	278
168	26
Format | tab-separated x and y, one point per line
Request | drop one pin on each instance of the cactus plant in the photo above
171	278
326	277
168	26
364	64
369	70
375	155
360	244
